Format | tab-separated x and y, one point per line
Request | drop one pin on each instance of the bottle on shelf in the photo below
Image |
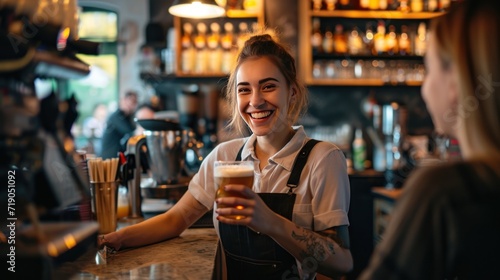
317	5
355	42
431	5
368	40
391	42
420	40
373	5
358	151
328	43
214	49
316	36
417	6
364	4
188	51
345	4
404	41
228	48
403	6
444	5
200	43
379	39
243	34
340	40
382	5
330	5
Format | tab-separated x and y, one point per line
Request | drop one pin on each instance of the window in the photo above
97	94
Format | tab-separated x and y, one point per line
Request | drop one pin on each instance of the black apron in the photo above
251	255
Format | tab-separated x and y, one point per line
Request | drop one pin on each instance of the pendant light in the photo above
196	9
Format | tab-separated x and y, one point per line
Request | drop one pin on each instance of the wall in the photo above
132	19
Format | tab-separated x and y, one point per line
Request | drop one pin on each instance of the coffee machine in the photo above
39	162
164	144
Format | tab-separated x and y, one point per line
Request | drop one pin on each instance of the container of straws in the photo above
104	192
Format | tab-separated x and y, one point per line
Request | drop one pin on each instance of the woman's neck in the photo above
267	146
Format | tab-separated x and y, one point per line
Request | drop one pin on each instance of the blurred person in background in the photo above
119	126
446	224
144	112
94	126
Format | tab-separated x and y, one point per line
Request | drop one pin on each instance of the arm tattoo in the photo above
318	248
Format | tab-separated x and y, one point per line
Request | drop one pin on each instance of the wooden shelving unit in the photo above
306	57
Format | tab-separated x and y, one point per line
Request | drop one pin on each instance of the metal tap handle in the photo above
134	145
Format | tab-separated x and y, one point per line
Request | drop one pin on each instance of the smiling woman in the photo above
294	217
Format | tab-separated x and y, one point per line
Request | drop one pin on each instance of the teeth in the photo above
260	115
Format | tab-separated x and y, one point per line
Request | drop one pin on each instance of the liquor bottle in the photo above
188	51
364	4
359	151
227	46
316	37
421	39
330	5
345	4
391	42
368	40
417	6
373	4
243	34
382	5
379	39
328	43
340	40
431	5
214	49
317	5
403	6
354	42
444	5
404	41
200	43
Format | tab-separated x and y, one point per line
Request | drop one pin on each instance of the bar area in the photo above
109	108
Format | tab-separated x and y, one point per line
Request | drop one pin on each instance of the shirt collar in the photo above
284	157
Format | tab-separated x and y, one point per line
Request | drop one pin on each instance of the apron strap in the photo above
300	162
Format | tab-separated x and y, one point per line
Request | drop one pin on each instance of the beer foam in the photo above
234	171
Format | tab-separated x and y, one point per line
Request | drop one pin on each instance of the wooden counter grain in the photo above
190	256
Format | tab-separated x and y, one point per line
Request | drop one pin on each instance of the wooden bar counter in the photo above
189	256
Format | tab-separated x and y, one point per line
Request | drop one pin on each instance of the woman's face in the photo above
263	96
439	91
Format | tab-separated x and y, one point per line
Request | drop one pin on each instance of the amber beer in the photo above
229	173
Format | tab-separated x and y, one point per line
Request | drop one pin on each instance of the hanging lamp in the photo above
196	9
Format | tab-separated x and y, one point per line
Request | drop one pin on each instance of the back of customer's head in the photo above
468	38
259	46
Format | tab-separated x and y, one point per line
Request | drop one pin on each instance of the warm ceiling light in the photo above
196	9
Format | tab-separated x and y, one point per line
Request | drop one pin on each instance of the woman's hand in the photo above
111	240
256	214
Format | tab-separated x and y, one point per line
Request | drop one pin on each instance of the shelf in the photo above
366	57
358	82
353	14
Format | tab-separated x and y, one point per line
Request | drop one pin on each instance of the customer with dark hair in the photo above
119	126
446	225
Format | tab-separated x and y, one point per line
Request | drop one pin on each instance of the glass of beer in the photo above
233	173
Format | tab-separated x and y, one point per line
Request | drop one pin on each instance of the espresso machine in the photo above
39	162
164	144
